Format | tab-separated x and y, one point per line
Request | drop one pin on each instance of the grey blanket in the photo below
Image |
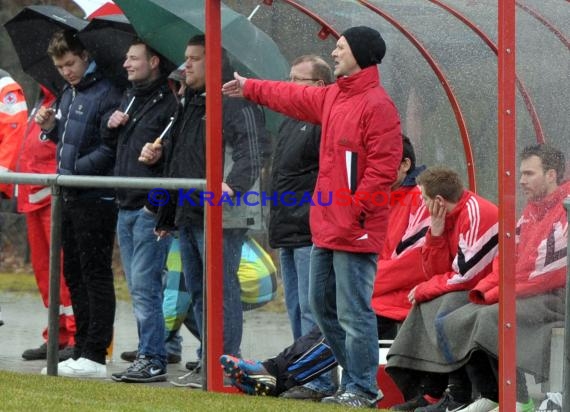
440	335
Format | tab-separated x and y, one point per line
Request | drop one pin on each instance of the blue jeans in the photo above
295	274
340	293
144	261
192	254
295	269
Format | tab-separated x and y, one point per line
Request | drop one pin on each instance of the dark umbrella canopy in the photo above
108	39
168	24
30	32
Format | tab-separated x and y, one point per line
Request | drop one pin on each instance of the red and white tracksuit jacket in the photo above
464	253
400	264
37	155
13	112
541	251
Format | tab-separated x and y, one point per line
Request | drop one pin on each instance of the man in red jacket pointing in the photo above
360	151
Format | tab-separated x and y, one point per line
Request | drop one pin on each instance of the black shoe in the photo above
445	404
143	370
352	400
192	365
36	353
192	379
129	356
304	393
411	405
66	353
171	358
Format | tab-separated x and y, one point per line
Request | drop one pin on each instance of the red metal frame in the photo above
326	28
520	85
470	161
507	205
213	229
565	41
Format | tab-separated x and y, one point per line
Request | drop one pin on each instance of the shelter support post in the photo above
507	204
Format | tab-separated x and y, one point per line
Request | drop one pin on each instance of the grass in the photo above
23	392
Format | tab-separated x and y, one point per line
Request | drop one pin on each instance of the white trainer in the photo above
83	368
480	405
59	365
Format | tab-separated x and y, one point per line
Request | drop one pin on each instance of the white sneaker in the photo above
83	368
59	365
480	405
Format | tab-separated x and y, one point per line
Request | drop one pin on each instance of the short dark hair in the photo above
321	69
150	52
227	63
197	40
551	158
64	41
408	152
442	181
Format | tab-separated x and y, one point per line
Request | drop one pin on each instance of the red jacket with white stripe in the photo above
37	155
360	151
13	112
541	251
400	265
464	253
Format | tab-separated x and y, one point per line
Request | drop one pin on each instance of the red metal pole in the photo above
214	325
507	202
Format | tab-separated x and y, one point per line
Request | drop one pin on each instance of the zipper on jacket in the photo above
73	94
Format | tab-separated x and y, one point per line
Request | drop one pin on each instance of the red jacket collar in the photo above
357	83
541	207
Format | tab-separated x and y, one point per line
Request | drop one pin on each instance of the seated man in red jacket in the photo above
458	252
467	333
399	270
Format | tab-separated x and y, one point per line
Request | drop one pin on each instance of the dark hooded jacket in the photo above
80	116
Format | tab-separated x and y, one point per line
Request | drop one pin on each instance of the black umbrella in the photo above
108	39
30	32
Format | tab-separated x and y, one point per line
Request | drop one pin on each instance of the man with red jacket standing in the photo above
360	151
37	155
13	113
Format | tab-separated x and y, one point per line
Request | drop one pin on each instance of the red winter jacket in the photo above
541	257
464	253
37	155
360	151
400	265
13	112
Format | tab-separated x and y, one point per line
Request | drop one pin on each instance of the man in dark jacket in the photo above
294	173
146	110
361	148
89	215
185	156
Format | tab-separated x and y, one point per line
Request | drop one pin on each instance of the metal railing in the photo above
56	182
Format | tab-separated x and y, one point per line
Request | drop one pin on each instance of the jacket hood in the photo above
410	179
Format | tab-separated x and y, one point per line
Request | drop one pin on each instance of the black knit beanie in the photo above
366	44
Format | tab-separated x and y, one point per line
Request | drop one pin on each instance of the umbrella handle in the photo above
158	140
129	105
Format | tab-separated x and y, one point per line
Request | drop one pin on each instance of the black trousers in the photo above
88	235
310	356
